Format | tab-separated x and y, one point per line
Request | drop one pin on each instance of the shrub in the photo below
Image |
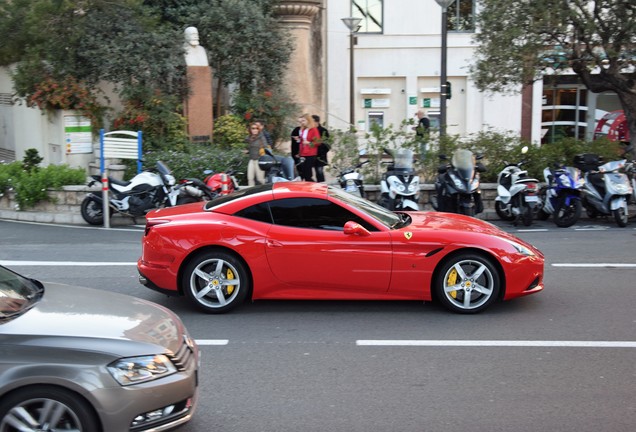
230	132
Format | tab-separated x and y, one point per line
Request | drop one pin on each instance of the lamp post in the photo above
443	79
353	24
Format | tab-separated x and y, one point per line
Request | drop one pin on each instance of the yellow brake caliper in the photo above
452	280
230	275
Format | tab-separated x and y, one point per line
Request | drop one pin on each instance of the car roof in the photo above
244	197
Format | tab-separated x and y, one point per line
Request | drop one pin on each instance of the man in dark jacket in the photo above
323	149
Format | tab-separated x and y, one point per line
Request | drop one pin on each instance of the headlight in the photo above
523	250
396	184
414	186
135	370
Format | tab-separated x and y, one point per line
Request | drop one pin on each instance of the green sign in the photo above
412	100
426	103
367	103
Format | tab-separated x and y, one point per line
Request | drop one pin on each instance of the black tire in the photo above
567	215
459	292
206	281
621	216
501	213
526	214
92	211
53	408
542	215
187	200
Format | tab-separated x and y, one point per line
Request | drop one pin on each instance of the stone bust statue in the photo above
195	54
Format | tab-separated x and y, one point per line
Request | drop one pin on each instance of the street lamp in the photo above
443	79
353	24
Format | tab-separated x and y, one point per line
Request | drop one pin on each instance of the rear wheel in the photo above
526	214
92	211
216	281
467	283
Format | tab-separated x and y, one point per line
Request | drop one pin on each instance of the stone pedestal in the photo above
198	106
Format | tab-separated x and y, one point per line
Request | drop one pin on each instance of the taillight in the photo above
532	188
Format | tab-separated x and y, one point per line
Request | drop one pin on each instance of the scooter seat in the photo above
118	182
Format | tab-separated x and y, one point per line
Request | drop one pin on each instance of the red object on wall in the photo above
613	125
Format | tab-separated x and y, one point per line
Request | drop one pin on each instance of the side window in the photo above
313	213
258	212
461	16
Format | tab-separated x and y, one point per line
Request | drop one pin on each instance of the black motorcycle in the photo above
457	184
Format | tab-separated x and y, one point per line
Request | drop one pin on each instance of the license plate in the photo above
532	198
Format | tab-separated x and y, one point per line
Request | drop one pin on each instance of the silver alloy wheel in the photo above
468	284
41	414
215	283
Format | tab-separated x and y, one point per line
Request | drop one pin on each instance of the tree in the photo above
520	40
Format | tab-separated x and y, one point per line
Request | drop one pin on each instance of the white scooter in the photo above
400	185
606	190
352	180
517	194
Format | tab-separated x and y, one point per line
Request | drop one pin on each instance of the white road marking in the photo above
210	342
499	343
65	263
595	265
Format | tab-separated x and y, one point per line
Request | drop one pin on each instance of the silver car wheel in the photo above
45	409
216	281
468	284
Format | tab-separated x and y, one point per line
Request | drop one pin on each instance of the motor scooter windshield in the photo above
403	159
464	163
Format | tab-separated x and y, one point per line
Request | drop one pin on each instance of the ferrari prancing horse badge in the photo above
408	235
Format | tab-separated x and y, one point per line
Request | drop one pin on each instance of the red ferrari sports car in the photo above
297	240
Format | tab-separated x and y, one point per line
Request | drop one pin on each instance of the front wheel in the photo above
45	408
620	216
566	215
467	283
216	281
92	211
503	215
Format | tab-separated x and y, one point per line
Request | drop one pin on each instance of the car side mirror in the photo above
354	228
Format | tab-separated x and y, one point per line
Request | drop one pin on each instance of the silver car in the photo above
87	360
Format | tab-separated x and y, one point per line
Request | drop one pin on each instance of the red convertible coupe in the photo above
296	240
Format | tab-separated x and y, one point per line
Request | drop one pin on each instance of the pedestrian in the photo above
323	149
422	130
309	142
265	132
256	145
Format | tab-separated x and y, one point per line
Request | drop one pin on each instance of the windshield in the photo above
17	294
403	159
384	216
463	160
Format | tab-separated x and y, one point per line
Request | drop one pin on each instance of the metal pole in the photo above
351	84
443	79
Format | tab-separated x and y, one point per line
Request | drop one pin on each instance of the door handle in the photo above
273	243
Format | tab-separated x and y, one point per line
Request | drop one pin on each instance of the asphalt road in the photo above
563	359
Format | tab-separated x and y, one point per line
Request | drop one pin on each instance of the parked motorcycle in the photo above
194	190
277	168
606	190
517	194
352	180
457	184
400	185
221	183
146	191
561	197
630	170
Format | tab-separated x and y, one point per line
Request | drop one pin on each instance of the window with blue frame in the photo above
371	13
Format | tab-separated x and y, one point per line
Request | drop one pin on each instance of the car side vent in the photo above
183	357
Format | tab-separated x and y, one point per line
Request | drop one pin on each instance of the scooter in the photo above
561	196
352	180
517	194
606	190
400	185
144	192
194	190
457	184
278	168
